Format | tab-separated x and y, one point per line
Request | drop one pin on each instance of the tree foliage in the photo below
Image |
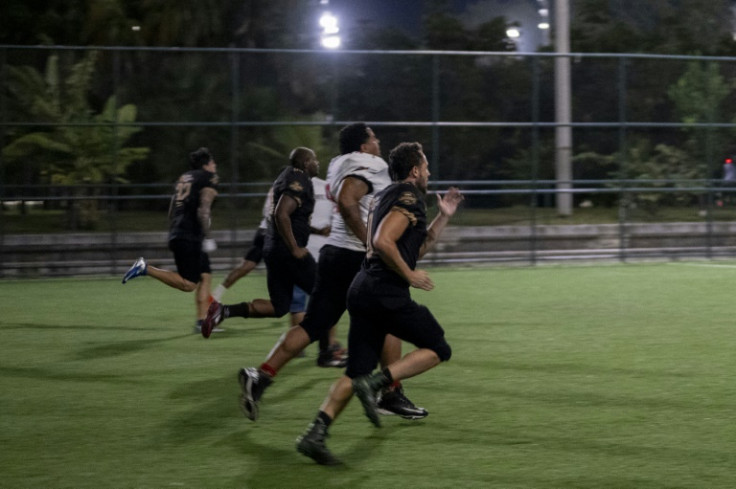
253	87
81	147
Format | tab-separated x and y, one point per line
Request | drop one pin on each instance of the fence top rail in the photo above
434	183
336	123
402	52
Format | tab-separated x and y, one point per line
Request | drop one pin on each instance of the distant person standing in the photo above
189	233
729	180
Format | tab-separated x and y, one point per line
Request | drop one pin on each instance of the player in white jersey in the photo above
353	179
371	170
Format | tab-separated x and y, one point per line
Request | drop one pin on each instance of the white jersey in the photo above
321	216
367	167
267	206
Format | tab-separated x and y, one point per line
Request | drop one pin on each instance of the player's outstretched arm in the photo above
447	207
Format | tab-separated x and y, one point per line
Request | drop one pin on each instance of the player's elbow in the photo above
382	245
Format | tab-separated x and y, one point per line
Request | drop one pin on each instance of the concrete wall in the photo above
48	255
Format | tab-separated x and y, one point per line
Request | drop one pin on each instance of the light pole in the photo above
563	112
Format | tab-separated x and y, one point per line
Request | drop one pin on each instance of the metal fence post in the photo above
234	169
535	161
622	151
434	164
113	202
3	118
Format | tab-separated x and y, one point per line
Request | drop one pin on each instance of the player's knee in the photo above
444	352
188	286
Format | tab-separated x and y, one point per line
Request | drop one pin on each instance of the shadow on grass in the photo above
109	350
62	375
280	467
76	327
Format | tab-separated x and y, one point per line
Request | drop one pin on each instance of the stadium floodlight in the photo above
543	25
331	42
328	21
330	29
513	33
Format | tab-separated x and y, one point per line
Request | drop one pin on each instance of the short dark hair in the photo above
299	156
403	158
199	158
352	136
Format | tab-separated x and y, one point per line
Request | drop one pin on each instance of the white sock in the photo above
219	292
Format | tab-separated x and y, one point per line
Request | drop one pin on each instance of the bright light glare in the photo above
513	32
331	42
328	21
136	28
543	12
543	25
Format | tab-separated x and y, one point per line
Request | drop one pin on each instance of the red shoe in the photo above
214	317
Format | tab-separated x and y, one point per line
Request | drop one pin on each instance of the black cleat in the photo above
252	382
312	444
395	402
366	388
333	356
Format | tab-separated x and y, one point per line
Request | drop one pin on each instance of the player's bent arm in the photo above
348	203
282	219
384	243
204	211
325	231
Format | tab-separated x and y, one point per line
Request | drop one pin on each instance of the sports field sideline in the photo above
600	376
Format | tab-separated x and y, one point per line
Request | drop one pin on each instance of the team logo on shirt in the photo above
296	186
408	198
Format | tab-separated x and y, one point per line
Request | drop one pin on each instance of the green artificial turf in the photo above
616	376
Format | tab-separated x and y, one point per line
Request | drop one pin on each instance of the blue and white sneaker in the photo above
138	269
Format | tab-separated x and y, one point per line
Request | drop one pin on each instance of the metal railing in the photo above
432	108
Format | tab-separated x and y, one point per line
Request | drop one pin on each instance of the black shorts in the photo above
255	252
283	272
191	261
377	309
336	269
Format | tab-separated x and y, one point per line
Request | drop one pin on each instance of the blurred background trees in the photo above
217	88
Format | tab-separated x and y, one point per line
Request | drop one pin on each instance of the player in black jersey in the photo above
288	262
189	233
379	301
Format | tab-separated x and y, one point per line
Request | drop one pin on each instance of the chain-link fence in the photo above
650	134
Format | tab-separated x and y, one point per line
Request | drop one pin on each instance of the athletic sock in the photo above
240	310
387	378
325	418
219	292
267	369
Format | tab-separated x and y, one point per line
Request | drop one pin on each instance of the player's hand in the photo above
448	204
419	279
209	245
300	253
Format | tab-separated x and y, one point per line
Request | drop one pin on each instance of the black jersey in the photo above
409	200
297	184
185	203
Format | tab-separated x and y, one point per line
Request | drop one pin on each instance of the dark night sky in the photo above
405	14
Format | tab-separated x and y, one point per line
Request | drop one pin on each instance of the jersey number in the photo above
183	189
